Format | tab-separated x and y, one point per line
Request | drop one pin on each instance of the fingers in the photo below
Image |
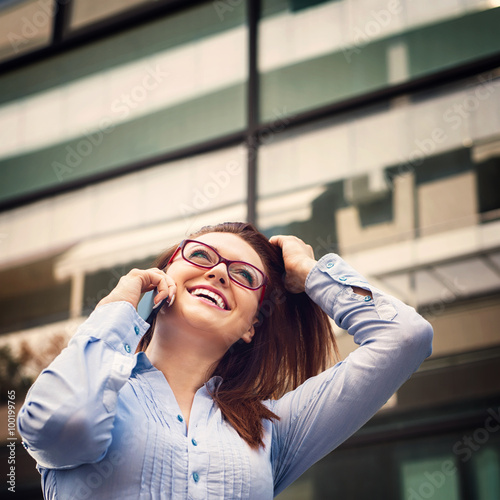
281	239
166	289
293	248
164	284
137	281
298	258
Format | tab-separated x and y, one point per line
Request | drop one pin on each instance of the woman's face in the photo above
199	314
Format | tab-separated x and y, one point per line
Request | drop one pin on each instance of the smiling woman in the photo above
257	358
228	393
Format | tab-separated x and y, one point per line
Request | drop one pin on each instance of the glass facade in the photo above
145	95
162	203
410	469
338	50
25	27
388	173
367	128
85	12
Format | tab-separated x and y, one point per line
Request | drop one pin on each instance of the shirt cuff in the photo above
116	323
332	275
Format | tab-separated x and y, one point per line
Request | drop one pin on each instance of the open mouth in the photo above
213	297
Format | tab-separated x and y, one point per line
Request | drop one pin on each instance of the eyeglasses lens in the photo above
241	272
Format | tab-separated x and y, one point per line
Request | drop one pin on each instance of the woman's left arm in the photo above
324	411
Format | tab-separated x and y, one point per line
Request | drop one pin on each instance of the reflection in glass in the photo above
25	26
313	53
85	12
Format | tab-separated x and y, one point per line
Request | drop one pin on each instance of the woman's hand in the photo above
137	281
299	260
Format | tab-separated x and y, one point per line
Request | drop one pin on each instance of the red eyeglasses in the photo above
204	256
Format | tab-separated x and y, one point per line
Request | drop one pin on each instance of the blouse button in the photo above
126	347
196	477
343	278
179	418
195	443
136	330
367	298
330	265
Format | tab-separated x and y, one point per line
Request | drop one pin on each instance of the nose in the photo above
218	272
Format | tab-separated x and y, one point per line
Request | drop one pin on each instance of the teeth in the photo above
207	293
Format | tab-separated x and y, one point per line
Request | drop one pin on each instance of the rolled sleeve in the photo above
68	414
324	411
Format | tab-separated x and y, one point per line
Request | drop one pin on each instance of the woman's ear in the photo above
248	336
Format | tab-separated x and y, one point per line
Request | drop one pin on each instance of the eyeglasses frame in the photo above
228	262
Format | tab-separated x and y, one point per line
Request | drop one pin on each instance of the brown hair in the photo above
293	341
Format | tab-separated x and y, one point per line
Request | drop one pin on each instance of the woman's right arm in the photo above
67	418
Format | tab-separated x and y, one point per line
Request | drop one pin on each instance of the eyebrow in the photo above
209	244
237	260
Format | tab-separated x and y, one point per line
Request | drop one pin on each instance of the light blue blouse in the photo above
103	423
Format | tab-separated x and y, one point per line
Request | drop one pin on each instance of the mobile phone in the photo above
146	307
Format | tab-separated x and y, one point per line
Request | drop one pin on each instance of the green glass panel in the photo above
304	4
430	478
166	33
486	468
194	121
270	7
449	43
354	71
322	80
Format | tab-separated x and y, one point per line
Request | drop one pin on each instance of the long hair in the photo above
293	341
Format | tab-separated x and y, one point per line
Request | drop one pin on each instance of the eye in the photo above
199	254
245	276
202	257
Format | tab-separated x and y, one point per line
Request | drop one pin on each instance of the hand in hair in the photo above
137	281
298	258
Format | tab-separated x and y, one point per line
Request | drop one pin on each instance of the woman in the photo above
200	410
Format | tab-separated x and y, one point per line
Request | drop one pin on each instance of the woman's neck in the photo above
185	364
